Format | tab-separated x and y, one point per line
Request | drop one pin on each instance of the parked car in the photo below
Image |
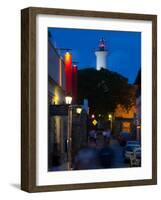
123	138
130	142
135	158
129	151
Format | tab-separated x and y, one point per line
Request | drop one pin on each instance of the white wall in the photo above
10	98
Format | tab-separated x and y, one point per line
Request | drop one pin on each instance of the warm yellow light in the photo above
56	96
67	57
78	110
55	100
110	117
68	99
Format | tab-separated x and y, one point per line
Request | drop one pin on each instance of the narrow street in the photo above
112	151
117	152
112	154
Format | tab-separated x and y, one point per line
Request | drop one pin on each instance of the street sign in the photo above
58	110
94	122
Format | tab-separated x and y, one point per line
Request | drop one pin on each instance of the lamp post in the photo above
68	101
110	119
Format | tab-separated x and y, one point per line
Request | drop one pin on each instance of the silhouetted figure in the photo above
107	135
87	158
93	134
106	156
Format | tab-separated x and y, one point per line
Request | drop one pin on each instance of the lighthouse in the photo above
101	54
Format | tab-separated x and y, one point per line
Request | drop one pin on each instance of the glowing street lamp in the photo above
68	99
78	110
110	117
93	116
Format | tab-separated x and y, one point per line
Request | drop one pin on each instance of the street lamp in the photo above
93	116
68	99
78	110
110	119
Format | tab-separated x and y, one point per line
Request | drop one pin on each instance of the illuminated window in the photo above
126	127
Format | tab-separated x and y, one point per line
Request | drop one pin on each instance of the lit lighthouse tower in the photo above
101	54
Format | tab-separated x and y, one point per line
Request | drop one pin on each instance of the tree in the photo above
104	90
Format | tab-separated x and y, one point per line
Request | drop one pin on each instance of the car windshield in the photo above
133	142
131	147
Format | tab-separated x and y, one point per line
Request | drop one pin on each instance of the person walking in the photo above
93	135
107	135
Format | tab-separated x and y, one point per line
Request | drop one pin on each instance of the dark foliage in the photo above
104	90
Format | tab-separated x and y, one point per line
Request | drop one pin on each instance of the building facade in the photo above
124	120
67	128
57	124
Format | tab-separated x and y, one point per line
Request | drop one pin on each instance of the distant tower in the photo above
101	54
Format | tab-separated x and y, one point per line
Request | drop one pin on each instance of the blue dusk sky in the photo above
124	48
